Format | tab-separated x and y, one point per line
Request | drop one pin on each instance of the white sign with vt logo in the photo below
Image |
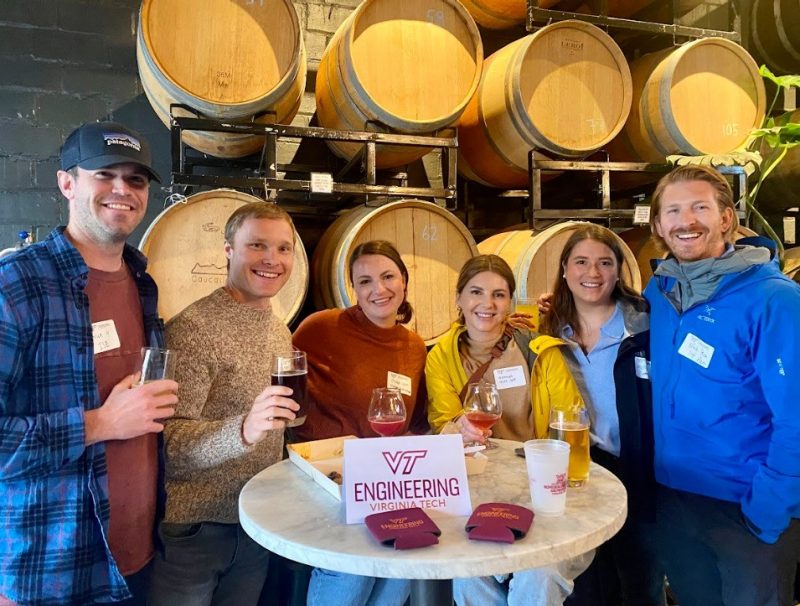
385	474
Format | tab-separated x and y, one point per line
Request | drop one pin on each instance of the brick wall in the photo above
67	62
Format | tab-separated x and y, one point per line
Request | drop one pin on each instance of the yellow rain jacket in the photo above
551	382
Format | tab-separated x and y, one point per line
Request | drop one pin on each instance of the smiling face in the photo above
485	302
691	222
260	259
379	288
591	272
107	204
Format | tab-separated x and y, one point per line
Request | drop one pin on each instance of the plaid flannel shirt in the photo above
55	510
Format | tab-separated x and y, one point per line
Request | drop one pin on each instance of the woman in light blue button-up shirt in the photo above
606	326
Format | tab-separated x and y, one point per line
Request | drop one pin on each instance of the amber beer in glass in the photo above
572	426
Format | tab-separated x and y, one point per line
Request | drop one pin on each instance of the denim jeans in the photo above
331	588
544	586
207	564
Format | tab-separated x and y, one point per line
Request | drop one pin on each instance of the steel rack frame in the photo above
607	211
539	16
188	169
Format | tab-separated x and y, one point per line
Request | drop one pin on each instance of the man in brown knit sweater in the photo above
229	422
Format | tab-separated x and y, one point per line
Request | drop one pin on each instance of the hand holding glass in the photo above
291	370
156	364
387	412
482	408
572	426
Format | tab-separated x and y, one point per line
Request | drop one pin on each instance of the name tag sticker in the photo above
513	376
105	337
696	350
642	366
397	381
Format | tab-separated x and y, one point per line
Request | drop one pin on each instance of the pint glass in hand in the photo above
291	370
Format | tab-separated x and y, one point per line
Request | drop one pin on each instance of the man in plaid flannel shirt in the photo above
79	453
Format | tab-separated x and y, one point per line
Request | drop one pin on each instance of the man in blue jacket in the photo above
79	453
725	341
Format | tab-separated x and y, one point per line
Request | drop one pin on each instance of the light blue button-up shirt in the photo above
595	372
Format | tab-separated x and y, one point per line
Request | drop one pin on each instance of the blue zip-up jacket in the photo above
731	430
55	511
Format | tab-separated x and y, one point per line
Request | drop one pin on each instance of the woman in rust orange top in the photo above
350	352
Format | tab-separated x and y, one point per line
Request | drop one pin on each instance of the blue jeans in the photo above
138	585
207	564
331	588
544	586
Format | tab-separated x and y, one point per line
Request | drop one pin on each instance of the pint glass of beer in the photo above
291	370
572	426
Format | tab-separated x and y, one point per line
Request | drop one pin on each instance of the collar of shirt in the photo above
612	332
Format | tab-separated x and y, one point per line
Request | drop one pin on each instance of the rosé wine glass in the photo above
482	408
387	412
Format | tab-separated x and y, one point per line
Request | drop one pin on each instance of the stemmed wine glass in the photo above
387	412
483	408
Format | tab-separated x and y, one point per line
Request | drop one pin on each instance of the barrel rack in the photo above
606	208
538	16
326	186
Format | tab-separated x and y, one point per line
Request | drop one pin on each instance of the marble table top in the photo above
283	510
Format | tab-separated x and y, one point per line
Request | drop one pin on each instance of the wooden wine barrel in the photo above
407	67
533	257
226	60
564	90
184	246
703	97
616	8
781	189
644	247
775	34
501	14
433	243
791	263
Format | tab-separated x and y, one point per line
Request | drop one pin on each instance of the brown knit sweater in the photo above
225	352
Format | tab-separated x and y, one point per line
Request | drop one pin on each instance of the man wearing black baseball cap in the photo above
103	144
79	445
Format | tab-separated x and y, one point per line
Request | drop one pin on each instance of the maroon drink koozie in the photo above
501	522
404	528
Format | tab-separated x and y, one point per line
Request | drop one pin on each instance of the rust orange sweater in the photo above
348	356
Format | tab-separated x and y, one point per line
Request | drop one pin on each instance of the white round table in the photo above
283	510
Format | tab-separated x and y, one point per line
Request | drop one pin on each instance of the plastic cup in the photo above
547	462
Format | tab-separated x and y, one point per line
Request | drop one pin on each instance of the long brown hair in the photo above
386	249
480	264
563	311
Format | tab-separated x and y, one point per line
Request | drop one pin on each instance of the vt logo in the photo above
403	460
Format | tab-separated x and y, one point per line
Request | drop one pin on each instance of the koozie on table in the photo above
501	522
403	528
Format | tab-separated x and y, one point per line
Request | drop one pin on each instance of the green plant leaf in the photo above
781	81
